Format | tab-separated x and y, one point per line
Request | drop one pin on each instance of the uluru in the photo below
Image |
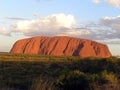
61	46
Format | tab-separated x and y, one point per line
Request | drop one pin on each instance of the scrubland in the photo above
40	72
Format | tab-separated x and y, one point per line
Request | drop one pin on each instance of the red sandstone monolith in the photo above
61	46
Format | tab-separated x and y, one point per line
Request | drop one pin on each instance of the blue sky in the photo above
92	19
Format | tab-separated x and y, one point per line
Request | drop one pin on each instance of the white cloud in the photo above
109	41
113	23
4	31
51	25
114	2
96	1
108	28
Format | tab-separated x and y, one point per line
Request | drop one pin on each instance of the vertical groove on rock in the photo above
41	49
76	52
54	46
25	47
66	46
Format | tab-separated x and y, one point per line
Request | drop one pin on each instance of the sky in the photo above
97	20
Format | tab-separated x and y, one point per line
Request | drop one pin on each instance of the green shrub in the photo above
77	80
111	78
108	81
74	80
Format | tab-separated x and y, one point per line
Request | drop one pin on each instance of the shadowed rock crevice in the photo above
25	47
64	51
42	48
76	52
61	46
54	46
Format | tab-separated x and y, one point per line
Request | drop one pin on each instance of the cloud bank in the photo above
106	30
53	25
56	24
114	24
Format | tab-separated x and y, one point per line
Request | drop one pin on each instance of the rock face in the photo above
61	46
